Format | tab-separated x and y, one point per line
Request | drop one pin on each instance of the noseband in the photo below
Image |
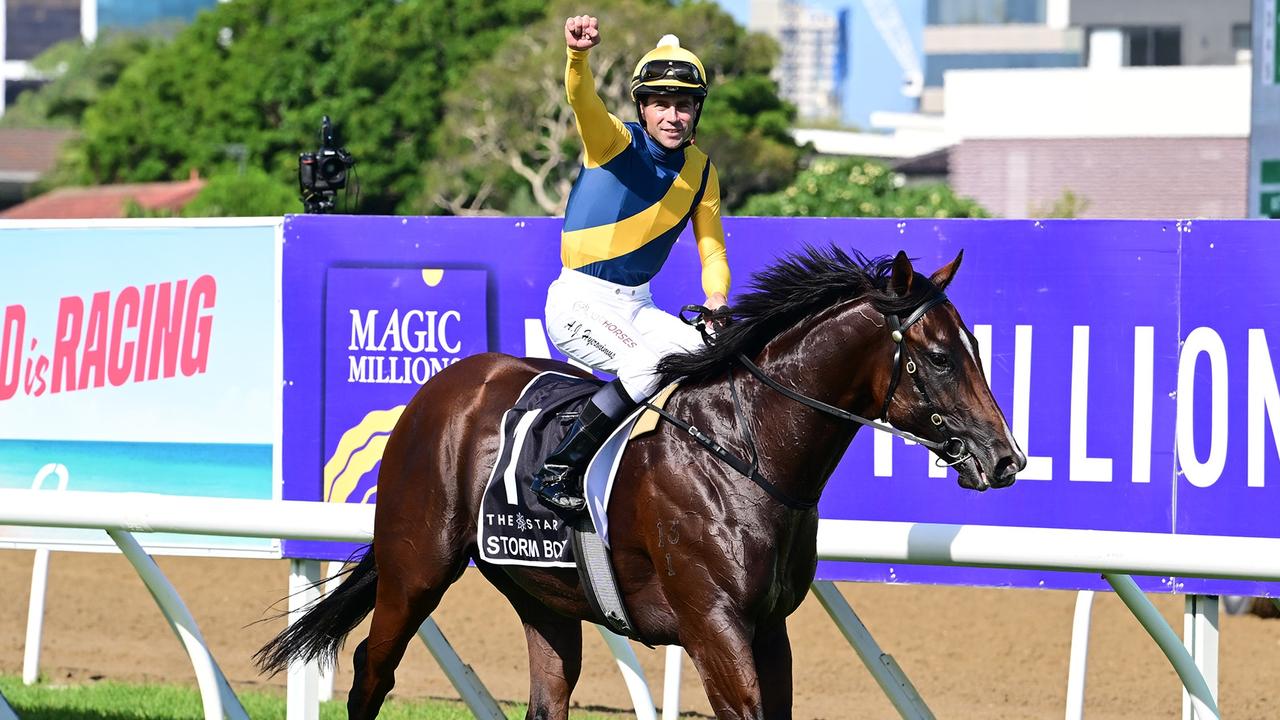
954	448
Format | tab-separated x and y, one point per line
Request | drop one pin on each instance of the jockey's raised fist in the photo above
582	32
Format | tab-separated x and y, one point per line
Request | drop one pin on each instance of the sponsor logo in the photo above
375	342
131	335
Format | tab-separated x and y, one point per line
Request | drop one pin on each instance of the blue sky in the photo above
874	81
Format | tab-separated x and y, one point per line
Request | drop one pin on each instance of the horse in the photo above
704	558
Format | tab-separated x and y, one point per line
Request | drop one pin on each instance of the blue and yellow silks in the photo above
633	196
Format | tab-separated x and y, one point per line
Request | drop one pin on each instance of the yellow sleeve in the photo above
603	134
709	232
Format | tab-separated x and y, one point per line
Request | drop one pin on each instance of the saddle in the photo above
515	528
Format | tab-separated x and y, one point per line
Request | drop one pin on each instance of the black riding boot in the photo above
559	482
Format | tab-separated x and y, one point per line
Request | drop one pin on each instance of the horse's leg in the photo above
721	649
555	661
402	606
773	666
555	648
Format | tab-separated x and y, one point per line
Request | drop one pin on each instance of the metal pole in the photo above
632	673
464	679
35	617
1202	698
671	683
1079	663
1200	637
215	691
39	573
883	667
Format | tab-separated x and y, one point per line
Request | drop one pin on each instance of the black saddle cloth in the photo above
515	527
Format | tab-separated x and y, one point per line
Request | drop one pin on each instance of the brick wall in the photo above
1117	177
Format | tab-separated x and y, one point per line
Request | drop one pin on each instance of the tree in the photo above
261	73
81	73
510	141
855	187
1066	205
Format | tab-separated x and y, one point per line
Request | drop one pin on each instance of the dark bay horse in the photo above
704	557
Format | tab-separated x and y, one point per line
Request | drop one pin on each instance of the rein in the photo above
953	448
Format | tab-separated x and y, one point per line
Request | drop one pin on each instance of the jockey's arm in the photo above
603	134
709	231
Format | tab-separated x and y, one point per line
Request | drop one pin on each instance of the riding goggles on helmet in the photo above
678	70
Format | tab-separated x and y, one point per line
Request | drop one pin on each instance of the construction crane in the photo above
888	21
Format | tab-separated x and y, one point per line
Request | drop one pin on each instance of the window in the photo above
31	26
1153	45
138	13
937	64
1241	36
984	12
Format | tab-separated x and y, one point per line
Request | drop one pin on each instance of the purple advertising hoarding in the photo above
1114	348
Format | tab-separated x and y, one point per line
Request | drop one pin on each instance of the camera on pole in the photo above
321	174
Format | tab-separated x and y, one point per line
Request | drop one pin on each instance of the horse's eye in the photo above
940	360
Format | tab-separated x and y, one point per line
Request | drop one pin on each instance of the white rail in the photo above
1129	553
1113	553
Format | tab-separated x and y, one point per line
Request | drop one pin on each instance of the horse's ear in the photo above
945	274
903	274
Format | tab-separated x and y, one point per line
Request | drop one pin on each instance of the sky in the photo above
874	81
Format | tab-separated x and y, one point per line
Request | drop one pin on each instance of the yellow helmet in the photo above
669	69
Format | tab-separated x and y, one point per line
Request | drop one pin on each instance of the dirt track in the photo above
972	653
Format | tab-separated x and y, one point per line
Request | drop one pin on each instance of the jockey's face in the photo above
669	118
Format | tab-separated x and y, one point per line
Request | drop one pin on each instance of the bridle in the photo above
954	448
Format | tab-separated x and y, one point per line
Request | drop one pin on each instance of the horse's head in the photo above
937	387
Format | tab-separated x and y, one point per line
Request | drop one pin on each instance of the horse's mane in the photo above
798	286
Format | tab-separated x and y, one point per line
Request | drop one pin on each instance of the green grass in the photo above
109	700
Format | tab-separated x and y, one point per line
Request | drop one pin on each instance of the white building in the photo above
809	71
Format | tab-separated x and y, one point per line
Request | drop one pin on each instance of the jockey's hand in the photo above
582	32
720	316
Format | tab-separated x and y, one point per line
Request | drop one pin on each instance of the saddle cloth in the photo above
515	528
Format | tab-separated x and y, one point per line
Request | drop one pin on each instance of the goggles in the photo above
677	70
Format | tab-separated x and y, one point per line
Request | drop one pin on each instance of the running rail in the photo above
1114	553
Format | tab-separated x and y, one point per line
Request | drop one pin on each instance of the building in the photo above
107	201
1111	139
1005	34
29	27
25	155
813	65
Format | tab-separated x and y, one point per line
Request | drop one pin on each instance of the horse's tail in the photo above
319	633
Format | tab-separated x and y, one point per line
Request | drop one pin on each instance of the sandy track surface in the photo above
972	653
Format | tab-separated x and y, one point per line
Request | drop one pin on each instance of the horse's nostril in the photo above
1006	468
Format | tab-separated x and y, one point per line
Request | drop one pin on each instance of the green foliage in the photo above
1067	205
261	73
133	209
253	194
108	700
508	135
81	74
854	187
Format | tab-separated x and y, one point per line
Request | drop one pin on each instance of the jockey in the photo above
639	186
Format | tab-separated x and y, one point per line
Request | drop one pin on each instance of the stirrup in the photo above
555	492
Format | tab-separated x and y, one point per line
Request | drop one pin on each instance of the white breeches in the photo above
614	328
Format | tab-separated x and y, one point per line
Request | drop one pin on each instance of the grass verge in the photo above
110	700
